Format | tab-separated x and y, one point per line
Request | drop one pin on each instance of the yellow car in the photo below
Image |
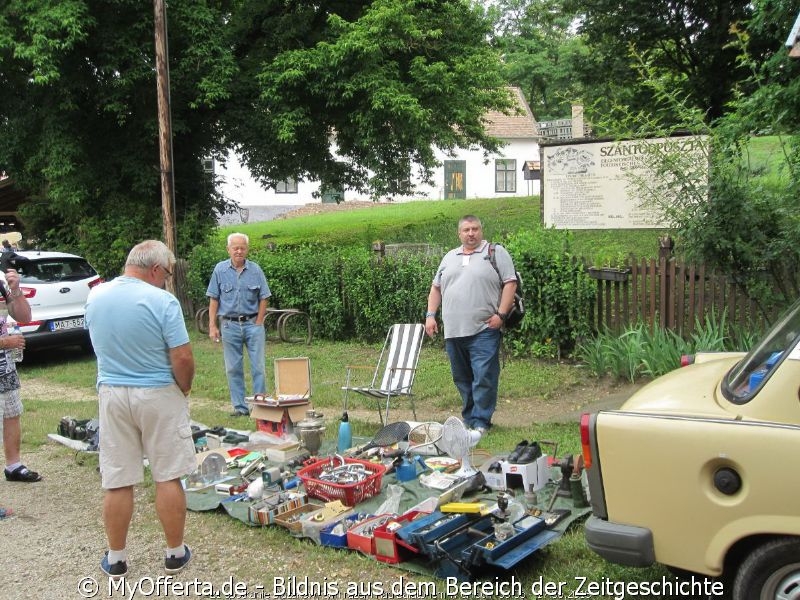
700	470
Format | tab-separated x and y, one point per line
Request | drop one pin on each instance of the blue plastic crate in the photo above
326	538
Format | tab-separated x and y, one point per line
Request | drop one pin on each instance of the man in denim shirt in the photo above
238	294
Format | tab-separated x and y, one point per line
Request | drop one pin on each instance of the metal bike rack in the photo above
280	317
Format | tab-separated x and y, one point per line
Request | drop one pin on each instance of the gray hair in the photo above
148	253
241	235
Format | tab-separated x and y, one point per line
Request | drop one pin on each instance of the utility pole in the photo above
165	130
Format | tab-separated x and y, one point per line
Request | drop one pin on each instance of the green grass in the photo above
521	379
766	155
435	221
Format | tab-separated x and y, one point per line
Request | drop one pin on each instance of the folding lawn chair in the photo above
397	366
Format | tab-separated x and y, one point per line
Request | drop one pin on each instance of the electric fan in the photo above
457	441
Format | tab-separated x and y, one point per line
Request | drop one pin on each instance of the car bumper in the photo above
37	340
621	544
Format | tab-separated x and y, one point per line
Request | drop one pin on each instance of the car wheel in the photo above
771	571
705	580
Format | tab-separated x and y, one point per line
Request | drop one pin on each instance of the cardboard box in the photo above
528	476
292	377
264	511
278	421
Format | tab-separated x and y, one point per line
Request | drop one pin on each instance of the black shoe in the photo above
513	458
529	454
240	413
22	473
235	438
173	565
115	571
495	467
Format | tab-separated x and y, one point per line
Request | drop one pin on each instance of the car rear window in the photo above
54	270
744	380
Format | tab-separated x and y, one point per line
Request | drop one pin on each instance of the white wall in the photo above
239	186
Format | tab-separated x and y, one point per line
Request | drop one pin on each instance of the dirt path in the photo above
564	406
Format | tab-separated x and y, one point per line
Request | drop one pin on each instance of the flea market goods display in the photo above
399	504
388	435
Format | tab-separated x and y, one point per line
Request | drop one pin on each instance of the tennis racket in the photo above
388	435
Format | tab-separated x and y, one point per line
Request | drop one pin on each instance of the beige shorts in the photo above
139	422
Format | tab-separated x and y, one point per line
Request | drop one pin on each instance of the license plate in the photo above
66	324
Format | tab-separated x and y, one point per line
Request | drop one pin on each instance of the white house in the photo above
468	174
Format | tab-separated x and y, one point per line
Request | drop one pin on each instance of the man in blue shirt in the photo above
145	368
238	294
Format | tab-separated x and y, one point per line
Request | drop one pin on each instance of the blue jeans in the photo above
475	364
235	338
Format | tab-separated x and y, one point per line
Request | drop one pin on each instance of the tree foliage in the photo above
541	53
277	80
388	80
80	123
688	39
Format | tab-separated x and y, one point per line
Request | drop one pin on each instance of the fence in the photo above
671	294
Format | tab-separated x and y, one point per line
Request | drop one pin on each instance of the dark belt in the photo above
239	318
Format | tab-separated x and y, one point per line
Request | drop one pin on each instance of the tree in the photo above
689	40
388	80
80	123
743	220
541	53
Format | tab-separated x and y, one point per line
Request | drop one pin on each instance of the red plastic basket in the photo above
350	493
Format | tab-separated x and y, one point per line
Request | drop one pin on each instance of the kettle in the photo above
407	470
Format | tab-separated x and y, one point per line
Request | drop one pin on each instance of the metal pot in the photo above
310	430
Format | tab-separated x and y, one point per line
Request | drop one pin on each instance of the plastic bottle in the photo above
345	440
16	353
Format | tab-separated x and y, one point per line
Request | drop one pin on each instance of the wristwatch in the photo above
503	316
430	314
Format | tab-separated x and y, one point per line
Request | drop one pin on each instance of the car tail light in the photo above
95	282
687	359
585	447
28	292
36	324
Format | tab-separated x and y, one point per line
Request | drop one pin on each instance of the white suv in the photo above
56	285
